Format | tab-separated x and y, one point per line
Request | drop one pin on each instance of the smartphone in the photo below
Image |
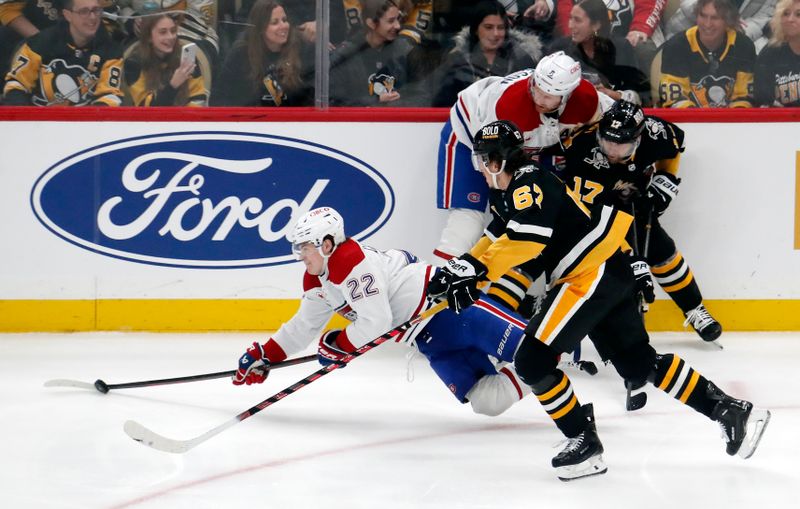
188	52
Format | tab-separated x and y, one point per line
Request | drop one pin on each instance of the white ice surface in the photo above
364	437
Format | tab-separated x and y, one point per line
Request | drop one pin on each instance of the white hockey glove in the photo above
663	189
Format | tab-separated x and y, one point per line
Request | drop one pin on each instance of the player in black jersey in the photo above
538	224
630	161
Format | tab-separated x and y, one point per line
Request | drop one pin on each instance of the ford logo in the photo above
205	199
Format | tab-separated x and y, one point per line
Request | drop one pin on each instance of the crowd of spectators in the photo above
669	53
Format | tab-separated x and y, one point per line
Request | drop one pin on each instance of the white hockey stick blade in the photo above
152	439
62	382
158	442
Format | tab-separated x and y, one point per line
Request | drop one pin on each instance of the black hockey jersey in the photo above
538	225
589	174
49	70
777	77
694	77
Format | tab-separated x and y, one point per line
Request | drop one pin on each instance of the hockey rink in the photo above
365	437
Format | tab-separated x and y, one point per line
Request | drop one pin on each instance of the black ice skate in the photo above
706	326
582	456
742	425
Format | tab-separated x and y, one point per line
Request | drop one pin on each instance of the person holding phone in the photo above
161	71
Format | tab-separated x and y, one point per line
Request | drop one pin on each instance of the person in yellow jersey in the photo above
73	63
539	225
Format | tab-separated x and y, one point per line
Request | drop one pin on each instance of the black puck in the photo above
101	386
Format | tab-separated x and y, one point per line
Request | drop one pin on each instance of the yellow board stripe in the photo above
670	373
663	269
690	387
555	390
572	402
201	315
679	286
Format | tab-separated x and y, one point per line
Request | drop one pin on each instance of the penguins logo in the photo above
655	129
712	91
617	10
598	160
381	83
66	84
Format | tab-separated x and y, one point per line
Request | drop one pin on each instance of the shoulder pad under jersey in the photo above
341	263
581	105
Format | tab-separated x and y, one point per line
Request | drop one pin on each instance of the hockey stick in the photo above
152	439
103	387
639	400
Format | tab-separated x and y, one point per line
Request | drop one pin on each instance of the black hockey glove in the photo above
462	291
662	190
644	279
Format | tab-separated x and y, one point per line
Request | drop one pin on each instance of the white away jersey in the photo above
375	290
509	98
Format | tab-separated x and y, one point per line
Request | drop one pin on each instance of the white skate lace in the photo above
573	444
698	318
724	432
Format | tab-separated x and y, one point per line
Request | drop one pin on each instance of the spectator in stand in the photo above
344	16
368	69
607	61
22	19
195	24
710	64
73	63
754	15
487	47
271	66
537	16
777	76
635	20
155	75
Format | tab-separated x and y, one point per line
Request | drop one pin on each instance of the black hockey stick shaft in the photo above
636	401
347	359
206	376
147	437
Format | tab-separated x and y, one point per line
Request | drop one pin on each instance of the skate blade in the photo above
593	466
756	424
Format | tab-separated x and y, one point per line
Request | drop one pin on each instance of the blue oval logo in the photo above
205	199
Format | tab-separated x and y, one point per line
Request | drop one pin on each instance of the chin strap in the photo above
494	175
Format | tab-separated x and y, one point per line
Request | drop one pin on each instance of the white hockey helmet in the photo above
317	225
557	74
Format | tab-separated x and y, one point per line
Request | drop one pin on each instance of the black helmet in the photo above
622	123
499	140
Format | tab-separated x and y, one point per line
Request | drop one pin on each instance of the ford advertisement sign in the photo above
205	199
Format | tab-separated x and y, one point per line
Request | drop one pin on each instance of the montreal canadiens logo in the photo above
205	199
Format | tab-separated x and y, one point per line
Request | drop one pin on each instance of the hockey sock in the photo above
675	377
559	401
676	278
510	289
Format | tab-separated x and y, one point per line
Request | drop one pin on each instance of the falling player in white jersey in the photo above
376	291
545	103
